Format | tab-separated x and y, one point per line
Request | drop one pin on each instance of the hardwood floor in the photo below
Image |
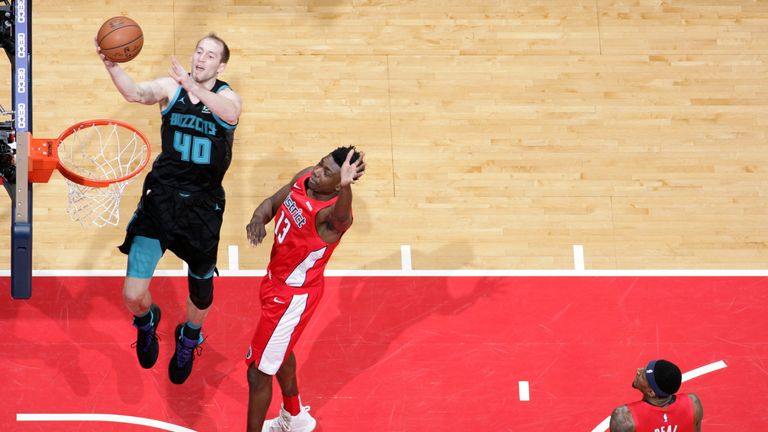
498	133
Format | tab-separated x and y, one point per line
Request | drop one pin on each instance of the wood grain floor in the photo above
498	133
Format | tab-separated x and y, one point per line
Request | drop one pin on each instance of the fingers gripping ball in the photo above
120	39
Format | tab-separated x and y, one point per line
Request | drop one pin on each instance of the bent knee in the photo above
132	298
135	290
288	366
257	378
200	291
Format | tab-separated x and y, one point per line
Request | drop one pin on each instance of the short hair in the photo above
340	155
224	52
664	377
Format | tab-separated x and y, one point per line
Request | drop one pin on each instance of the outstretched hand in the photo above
351	172
179	74
255	231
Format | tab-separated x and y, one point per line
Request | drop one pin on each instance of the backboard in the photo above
16	36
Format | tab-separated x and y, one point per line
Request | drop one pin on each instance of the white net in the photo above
95	206
103	153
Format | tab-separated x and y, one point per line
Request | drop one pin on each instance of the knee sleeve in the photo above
200	291
143	257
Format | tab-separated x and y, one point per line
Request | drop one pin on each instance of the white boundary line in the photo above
377	273
704	370
603	426
114	418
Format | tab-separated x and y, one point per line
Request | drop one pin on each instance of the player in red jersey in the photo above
311	214
661	409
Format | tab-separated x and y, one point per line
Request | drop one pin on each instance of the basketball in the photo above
120	39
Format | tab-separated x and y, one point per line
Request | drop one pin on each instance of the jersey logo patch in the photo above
206	110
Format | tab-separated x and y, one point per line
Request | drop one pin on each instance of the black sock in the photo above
191	333
141	321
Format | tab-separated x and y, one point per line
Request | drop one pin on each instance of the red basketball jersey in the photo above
675	417
299	255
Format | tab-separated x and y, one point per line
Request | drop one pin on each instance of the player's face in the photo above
206	61
325	176
641	382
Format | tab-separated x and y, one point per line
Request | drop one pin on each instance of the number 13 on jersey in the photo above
282	226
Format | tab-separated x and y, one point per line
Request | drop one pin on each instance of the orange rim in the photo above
86	181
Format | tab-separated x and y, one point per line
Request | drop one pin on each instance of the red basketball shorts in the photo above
285	312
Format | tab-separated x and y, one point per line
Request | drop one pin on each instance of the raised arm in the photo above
226	104
621	420
147	93
336	221
255	230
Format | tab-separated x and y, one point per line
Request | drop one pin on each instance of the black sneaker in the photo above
181	362
146	344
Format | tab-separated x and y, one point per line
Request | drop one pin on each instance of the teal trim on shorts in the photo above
207	276
143	258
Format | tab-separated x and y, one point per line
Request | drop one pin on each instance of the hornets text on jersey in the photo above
197	145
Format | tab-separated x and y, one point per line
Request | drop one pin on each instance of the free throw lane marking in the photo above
405	258
578	257
525	394
234	258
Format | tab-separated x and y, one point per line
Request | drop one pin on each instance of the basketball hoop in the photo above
98	158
